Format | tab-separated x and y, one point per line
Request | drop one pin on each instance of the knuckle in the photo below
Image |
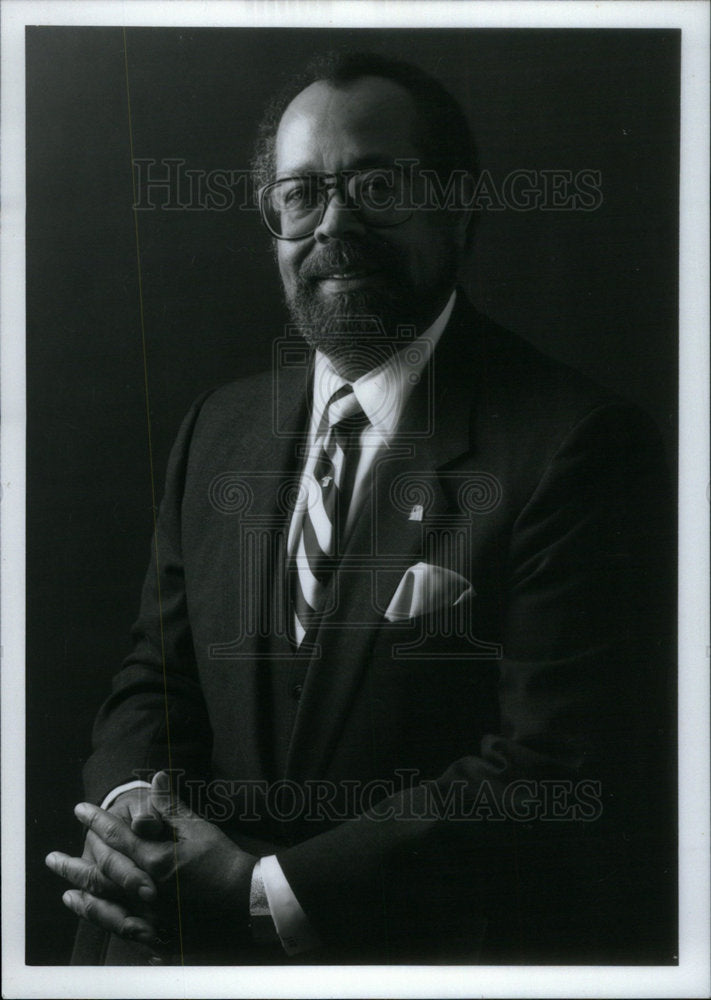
120	873
111	834
92	881
111	866
152	866
127	928
158	863
92	821
133	929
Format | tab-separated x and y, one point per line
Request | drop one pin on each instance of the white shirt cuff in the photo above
293	926
115	792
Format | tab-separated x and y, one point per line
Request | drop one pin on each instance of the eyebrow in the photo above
366	162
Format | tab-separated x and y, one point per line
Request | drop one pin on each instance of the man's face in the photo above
348	268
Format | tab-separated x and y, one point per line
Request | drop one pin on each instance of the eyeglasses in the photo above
293	207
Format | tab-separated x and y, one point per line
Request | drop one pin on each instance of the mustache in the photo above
339	256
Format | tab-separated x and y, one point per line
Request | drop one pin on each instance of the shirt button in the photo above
296	691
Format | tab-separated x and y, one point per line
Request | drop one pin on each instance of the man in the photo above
402	642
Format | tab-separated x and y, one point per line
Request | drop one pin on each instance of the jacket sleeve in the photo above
552	832
155	716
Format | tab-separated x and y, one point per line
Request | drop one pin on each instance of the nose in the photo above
339	220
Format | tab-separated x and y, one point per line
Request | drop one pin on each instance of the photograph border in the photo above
692	976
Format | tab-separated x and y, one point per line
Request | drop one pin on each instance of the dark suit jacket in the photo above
385	766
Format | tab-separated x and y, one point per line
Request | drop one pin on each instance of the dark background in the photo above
597	290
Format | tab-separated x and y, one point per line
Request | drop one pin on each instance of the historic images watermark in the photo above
170	184
321	801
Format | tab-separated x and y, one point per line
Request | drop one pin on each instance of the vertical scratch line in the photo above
154	508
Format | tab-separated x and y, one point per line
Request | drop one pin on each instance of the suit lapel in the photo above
265	461
435	431
268	463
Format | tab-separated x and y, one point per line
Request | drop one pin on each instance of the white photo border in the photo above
692	976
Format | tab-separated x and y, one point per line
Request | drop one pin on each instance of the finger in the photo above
114	833
149	826
109	828
164	801
81	873
145	821
121	870
109	915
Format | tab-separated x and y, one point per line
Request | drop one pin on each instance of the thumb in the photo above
148	825
164	801
145	821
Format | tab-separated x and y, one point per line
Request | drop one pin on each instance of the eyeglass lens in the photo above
294	206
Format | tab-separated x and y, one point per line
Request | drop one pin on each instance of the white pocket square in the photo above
425	588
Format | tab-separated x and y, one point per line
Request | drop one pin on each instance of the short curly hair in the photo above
445	139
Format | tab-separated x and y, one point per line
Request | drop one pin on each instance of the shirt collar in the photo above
382	392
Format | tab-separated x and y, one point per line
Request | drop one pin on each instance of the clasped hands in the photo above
153	870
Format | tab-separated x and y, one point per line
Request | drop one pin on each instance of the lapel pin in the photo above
416	513
326	481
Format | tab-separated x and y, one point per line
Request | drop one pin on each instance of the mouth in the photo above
349	272
345	278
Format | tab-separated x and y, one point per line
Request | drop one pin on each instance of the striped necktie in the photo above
324	519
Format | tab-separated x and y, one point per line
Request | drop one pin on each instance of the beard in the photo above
359	329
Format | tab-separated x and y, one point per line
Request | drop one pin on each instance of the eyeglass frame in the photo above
331	182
